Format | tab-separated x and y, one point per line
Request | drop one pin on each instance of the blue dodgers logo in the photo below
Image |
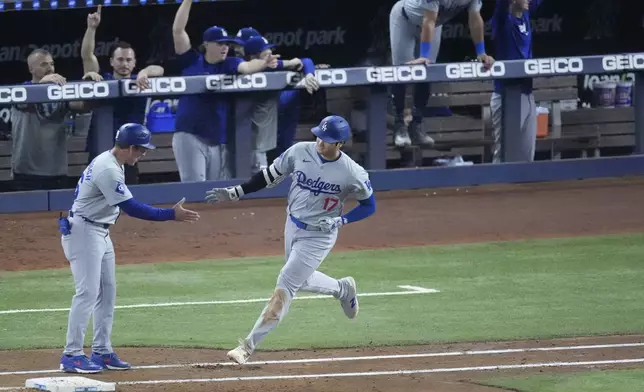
316	186
120	188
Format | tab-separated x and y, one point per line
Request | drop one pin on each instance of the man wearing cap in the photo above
99	197
265	108
199	142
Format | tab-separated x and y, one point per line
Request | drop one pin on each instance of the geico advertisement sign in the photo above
402	73
325	77
13	94
236	82
554	66
157	85
622	62
474	70
78	91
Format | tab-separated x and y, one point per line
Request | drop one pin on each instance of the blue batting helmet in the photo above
333	129
134	134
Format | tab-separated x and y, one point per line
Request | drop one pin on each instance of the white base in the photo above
69	384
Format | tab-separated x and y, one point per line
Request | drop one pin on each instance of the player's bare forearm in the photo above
153	71
427	31
90	62
179	34
252	66
477	27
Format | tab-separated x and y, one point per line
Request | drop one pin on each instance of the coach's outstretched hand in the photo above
221	194
183	215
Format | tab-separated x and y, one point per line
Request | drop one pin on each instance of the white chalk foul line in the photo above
411	290
373	374
387	373
362	358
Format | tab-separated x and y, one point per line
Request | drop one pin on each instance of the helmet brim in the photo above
318	132
149	146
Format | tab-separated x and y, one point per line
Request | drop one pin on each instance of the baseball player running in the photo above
422	20
512	34
323	177
99	196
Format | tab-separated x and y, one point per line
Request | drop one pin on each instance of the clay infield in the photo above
412	218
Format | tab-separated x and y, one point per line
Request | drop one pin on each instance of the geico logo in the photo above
78	90
232	82
328	77
553	66
11	95
474	70
293	78
158	85
403	73
620	62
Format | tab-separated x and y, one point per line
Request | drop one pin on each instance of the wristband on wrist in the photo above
480	48
425	48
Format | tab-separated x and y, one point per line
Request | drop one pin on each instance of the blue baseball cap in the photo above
134	134
245	33
219	35
256	45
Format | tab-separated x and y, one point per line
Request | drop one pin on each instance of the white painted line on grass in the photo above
415	291
362	358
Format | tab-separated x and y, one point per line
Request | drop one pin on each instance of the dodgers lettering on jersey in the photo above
319	187
446	9
100	188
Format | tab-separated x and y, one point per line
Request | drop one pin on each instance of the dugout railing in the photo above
376	79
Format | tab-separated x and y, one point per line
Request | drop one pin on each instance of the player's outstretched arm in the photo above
144	211
268	177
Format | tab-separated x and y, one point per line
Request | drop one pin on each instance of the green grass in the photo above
493	291
594	381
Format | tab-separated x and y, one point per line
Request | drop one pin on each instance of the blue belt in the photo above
103	225
303	226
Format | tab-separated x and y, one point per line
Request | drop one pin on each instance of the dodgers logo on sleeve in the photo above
368	184
120	188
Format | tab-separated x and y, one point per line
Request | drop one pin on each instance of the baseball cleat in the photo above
239	354
110	361
418	134
401	136
79	364
350	302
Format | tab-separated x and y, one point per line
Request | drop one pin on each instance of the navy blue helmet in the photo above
134	134
333	129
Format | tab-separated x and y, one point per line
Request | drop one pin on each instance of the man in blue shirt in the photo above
512	34
199	142
122	63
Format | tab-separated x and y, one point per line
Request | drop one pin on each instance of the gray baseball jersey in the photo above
446	9
100	188
319	187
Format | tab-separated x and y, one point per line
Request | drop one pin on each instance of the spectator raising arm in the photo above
179	34
90	62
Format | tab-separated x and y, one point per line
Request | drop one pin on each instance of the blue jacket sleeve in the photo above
146	212
363	210
308	67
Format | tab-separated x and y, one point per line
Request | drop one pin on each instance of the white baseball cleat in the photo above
350	302
239	354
